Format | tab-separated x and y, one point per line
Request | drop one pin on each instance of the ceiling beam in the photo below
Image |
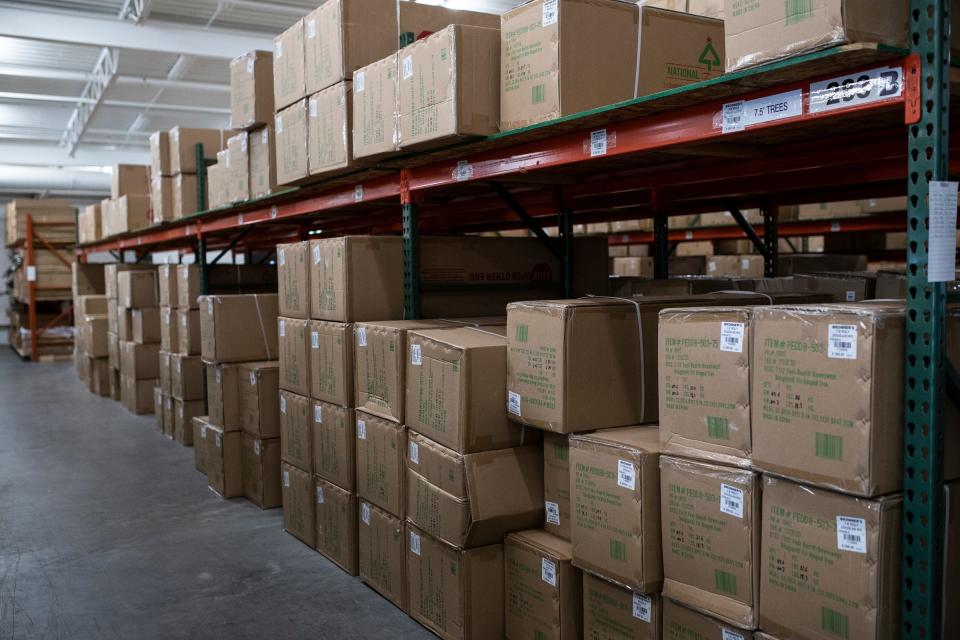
123	104
48	73
91	98
160	37
86	155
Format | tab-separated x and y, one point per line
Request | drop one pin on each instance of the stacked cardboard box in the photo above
90	312
138	332
174	169
89	223
43	210
129	207
115	319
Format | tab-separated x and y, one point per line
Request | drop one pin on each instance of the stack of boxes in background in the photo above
138	333
249	169
128	208
91	340
174	161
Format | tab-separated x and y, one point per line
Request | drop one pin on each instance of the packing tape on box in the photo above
263	329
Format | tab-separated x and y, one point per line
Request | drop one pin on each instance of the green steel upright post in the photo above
201	177
922	580
411	252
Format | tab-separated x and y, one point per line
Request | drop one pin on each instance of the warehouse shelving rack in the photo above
705	147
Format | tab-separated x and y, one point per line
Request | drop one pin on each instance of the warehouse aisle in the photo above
107	531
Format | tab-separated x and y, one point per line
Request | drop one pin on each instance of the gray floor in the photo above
107	531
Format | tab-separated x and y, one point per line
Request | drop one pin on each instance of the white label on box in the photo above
318	413
219	442
413	452
210	306
548	571
283	405
642	607
745	263
278	48
166	316
359	78
731	337
407	67
842	341
731	501
739	115
316	254
249	65
278	124
178	365
626	476
361	336
264	139
180	411
243	142
313	107
203	431
861	88
711	266
358	193
217	375
851	534
286	478
365	513
513	402
942	243
253	378
31	274
283	327
731	635
414	543
598	143
256	447
183	320
281	257
312	28
463	171
850	296
549	13
361	429
320	499
553	512
314	340
416	357
169	404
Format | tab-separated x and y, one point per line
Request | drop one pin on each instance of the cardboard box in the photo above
742	265
260	398
124	324
633	267
449	87
224	467
289	80
113	350
89	224
763	31
251	90
164	376
169	330
299	519
168	416
293	279
681	622
263	162
336	525
230	279
167	285
261	471
217	182
161	199
381	469
127	213
556	485
189	337
329	114
382	541
356	278
146	325
790	264
184	193
160	154
611	612
816	546
186	377
334	435
951	560
709	8
841	287
183	152
704	359
331	362
129	179
230	326
184	411
375	102
456	594
90	305
187	287
200	426
157	411
100	370
238	162
296	431
137	395
290	132
543	591
711	539
43	210
472	500
615	484
223	395
139	361
827	393
295	354
137	289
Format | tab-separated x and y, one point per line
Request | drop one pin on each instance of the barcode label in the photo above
731	635
883	83
281	257
744	113
250	65
318	413
264	138
626	475
210	306
365	513
548	571
320	495
731	501
415	543
316	254
358	81
416	357
256	447
203	431
851	534
314	340
553	512
283	328
413	452
361	336
463	171
166	316
361	429
178	365
731	337
279	48
313	107
183	320
851	296
286	479
513	402
311	29
598	143
253	378
278	124
219	441
407	68
733	117
642	607
217	375
842	341
283	405
358	193
549	13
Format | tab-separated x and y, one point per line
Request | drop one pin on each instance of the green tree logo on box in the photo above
523	332
709	56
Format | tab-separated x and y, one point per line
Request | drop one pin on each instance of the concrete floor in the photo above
107	531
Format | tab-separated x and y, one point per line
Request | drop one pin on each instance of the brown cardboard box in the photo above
218	179
790	264
116	387
951	560
231	325
183	143
137	289
223	395
169	325
90	305
709	8
124	324
381	471
295	352
223	462
743	265
543	591
456	380
188	287
830	563
43	210
416	19
101	377
113	350
677	49
89	225
449	87
137	395
334	435
289	81
356	278
238	162
164	375
827	395
681	623
615	484
711	539
382	542
200	445
226	279
704	362
184	193
329	114
296	427
127	213
189	338
263	162
184	411
633	267
168	416
556	484
261	471
841	287
472	500
456	594
375	102
157	407
337	522
260	398
167	285
251	90
161	199
290	132
129	179
186	377
763	31
293	279
160	154
139	361
299	519
146	325
611	612
331	362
